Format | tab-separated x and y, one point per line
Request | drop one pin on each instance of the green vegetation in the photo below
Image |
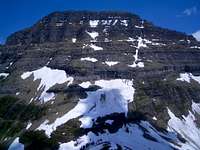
14	115
37	140
9	128
12	108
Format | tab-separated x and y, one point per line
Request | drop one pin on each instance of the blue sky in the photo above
180	15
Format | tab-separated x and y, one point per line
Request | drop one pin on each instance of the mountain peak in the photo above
100	80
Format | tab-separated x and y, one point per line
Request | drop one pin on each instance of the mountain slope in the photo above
99	80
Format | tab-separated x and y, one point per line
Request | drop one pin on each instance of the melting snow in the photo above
96	48
89	59
93	34
154	118
139	64
93	23
124	22
140	27
28	125
114	23
187	77
9	65
48	78
73	40
111	63
17	93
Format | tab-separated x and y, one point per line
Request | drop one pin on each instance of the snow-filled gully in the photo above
139	45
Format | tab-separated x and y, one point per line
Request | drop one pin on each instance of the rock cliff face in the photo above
99	80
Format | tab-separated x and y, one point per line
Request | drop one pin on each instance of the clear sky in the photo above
180	15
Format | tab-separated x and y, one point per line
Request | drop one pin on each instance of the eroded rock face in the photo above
95	46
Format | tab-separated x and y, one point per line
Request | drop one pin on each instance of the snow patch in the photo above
139	27
85	84
187	77
96	48
195	47
75	145
4	75
17	93
141	43
111	63
77	111
48	77
73	40
89	59
9	65
154	118
50	59
153	43
130	39
28	125
114	23
107	40
124	22
184	77
187	128
93	34
93	23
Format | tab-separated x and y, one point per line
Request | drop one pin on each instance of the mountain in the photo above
99	80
